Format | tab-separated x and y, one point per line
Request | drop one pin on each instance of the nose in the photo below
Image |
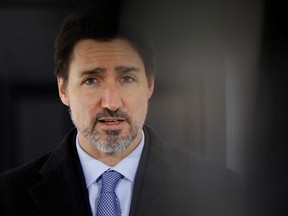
111	97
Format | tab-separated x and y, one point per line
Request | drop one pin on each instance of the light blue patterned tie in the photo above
108	203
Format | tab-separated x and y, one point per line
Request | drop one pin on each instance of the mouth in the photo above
108	120
111	121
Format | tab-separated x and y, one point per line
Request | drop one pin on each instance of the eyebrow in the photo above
93	71
100	70
125	69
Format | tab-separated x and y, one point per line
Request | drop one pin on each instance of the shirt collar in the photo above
93	168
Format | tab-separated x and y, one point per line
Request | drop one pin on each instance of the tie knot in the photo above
109	181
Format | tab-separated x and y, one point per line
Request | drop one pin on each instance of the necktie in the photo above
108	203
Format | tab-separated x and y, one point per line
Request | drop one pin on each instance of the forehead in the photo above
93	51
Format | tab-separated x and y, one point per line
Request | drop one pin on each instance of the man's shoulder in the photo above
208	186
195	166
31	169
24	174
201	169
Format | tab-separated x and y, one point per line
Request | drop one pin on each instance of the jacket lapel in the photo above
62	189
162	183
163	191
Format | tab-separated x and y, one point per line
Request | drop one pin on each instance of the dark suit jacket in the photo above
169	181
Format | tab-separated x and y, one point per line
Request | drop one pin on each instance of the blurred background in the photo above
221	86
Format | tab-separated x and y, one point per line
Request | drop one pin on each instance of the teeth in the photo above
112	121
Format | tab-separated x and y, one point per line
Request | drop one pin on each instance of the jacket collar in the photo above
62	189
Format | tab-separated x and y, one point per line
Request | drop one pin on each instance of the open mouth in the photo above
111	120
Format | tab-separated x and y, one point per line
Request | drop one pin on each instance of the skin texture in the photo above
107	78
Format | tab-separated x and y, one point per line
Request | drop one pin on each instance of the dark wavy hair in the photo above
103	23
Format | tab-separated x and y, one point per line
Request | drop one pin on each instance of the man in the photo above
105	74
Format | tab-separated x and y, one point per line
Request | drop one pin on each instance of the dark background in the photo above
220	92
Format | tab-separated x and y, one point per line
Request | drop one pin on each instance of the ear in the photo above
151	88
62	89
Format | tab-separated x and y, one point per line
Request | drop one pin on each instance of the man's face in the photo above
107	92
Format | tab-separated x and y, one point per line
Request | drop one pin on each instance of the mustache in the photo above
108	113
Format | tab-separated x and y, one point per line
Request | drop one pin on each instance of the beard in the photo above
110	141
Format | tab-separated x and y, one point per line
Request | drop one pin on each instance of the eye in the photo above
127	79
90	81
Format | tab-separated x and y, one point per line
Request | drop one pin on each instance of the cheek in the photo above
82	108
84	101
140	106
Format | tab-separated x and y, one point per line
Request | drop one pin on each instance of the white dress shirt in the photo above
94	168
